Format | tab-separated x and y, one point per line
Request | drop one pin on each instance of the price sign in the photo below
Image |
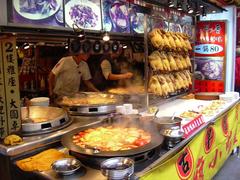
210	39
192	126
10	69
3	117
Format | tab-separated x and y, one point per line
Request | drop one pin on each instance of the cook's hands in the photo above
128	75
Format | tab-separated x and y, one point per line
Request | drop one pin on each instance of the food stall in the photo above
92	128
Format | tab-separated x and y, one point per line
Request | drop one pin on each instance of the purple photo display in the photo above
37	12
86	14
209	69
116	16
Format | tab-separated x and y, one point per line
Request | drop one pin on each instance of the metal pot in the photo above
117	168
166	122
172	136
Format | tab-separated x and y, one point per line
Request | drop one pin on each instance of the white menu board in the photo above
11	83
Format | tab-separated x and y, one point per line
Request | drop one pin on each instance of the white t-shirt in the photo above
68	76
106	68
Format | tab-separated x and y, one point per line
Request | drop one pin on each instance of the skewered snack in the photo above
166	64
178	61
154	86
171	40
155	61
156	38
172	62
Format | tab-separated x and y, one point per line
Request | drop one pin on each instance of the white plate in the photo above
94	7
37	15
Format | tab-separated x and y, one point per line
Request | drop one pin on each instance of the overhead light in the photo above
197	11
106	36
201	6
16	47
79	32
190	10
26	46
66	46
179	5
204	12
213	11
124	46
170	3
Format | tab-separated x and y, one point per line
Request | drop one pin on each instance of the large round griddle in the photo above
91	109
67	141
53	119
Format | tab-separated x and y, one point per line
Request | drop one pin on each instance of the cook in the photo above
66	76
107	71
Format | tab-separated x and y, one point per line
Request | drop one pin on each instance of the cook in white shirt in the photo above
66	76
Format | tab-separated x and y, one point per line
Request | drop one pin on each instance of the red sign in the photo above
210	39
209	86
209	139
192	126
185	163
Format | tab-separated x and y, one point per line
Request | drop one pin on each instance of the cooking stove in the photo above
141	160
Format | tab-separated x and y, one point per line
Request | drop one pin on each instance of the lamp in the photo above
170	3
189	8
204	11
197	11
80	33
106	36
179	5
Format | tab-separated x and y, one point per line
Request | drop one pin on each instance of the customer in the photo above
66	76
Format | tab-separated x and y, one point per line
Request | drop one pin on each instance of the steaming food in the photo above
94	99
127	90
112	138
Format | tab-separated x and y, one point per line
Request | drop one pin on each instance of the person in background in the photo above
107	71
66	76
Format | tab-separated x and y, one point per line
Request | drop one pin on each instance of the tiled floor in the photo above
230	170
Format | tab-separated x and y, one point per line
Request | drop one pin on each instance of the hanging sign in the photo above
210	38
11	84
3	117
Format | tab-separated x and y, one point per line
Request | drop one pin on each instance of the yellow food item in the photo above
12	140
41	161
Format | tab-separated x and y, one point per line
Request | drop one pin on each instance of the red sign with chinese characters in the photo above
192	126
210	39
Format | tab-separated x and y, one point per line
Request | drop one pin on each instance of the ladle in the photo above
155	114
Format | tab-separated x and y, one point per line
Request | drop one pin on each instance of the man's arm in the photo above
90	85
127	75
107	72
51	82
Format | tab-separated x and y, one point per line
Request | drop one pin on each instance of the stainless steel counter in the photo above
34	142
89	173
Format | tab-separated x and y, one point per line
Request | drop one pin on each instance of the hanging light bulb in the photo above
189	7
170	3
197	11
106	36
179	5
204	12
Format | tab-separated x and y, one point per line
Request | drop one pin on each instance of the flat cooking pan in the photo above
156	140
